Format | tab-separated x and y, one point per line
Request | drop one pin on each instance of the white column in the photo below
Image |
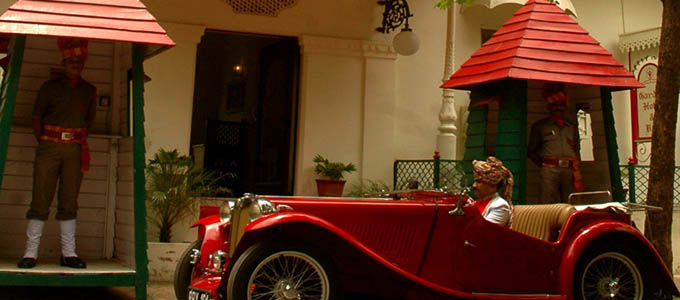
446	139
346	109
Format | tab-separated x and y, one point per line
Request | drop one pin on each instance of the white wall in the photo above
606	20
169	95
419	97
353	105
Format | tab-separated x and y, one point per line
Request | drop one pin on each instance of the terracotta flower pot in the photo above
327	187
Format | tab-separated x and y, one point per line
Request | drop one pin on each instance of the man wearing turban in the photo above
490	177
62	116
554	147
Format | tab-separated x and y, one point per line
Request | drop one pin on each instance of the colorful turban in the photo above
554	92
70	47
492	171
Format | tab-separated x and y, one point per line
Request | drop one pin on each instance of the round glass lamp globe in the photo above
406	42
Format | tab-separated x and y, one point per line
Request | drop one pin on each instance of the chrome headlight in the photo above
256	207
225	210
218	259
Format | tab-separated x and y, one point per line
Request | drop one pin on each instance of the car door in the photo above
496	259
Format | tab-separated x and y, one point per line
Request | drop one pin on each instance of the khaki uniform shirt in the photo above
549	139
60	104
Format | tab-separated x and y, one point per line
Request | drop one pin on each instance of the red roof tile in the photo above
113	20
541	42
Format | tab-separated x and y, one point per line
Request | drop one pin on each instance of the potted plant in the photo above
332	184
174	189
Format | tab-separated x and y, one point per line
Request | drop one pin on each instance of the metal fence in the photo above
436	173
635	178
428	174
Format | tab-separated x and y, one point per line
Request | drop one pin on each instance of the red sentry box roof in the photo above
541	42
113	20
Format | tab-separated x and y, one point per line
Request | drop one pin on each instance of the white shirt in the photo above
497	211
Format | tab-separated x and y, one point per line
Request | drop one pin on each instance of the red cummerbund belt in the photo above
558	162
61	134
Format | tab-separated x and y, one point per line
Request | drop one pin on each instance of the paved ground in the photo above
155	291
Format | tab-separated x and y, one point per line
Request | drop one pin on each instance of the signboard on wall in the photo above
644	98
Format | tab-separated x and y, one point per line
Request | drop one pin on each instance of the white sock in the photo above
68	238
33	233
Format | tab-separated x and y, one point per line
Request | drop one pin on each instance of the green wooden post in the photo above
476	137
8	95
437	169
631	182
511	137
141	260
394	171
612	147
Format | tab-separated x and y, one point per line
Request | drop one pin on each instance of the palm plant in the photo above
173	189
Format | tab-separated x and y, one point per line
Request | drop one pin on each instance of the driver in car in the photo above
490	177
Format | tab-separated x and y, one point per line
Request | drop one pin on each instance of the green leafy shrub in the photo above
332	170
368	187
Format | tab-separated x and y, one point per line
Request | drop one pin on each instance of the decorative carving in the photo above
643	62
644	153
260	7
640	40
345	47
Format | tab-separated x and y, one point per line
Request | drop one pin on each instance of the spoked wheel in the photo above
610	275
272	271
289	275
184	272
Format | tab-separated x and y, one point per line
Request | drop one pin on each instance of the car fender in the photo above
253	232
202	223
591	233
215	235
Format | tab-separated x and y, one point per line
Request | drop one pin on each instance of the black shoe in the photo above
72	262
26	263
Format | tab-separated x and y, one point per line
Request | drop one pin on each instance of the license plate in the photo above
198	295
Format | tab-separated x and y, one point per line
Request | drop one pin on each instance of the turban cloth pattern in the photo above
492	171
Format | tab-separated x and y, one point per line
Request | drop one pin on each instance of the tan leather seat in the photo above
542	221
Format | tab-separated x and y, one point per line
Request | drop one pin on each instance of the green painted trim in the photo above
394	172
508	138
141	260
511	138
510	127
631	183
475	141
612	147
10	85
476	136
77	279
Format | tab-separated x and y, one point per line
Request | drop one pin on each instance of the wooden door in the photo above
277	107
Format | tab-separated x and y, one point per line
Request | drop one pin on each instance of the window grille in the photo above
260	7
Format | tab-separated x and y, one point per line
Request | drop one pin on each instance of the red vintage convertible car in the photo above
417	245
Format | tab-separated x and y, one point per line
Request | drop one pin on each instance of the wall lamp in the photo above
397	13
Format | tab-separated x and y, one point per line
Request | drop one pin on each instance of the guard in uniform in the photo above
554	147
62	116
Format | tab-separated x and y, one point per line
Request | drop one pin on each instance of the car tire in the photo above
609	270
260	270
184	271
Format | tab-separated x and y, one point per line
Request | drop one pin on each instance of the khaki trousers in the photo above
56	162
556	184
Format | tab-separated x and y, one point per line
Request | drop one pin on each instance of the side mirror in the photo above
458	211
